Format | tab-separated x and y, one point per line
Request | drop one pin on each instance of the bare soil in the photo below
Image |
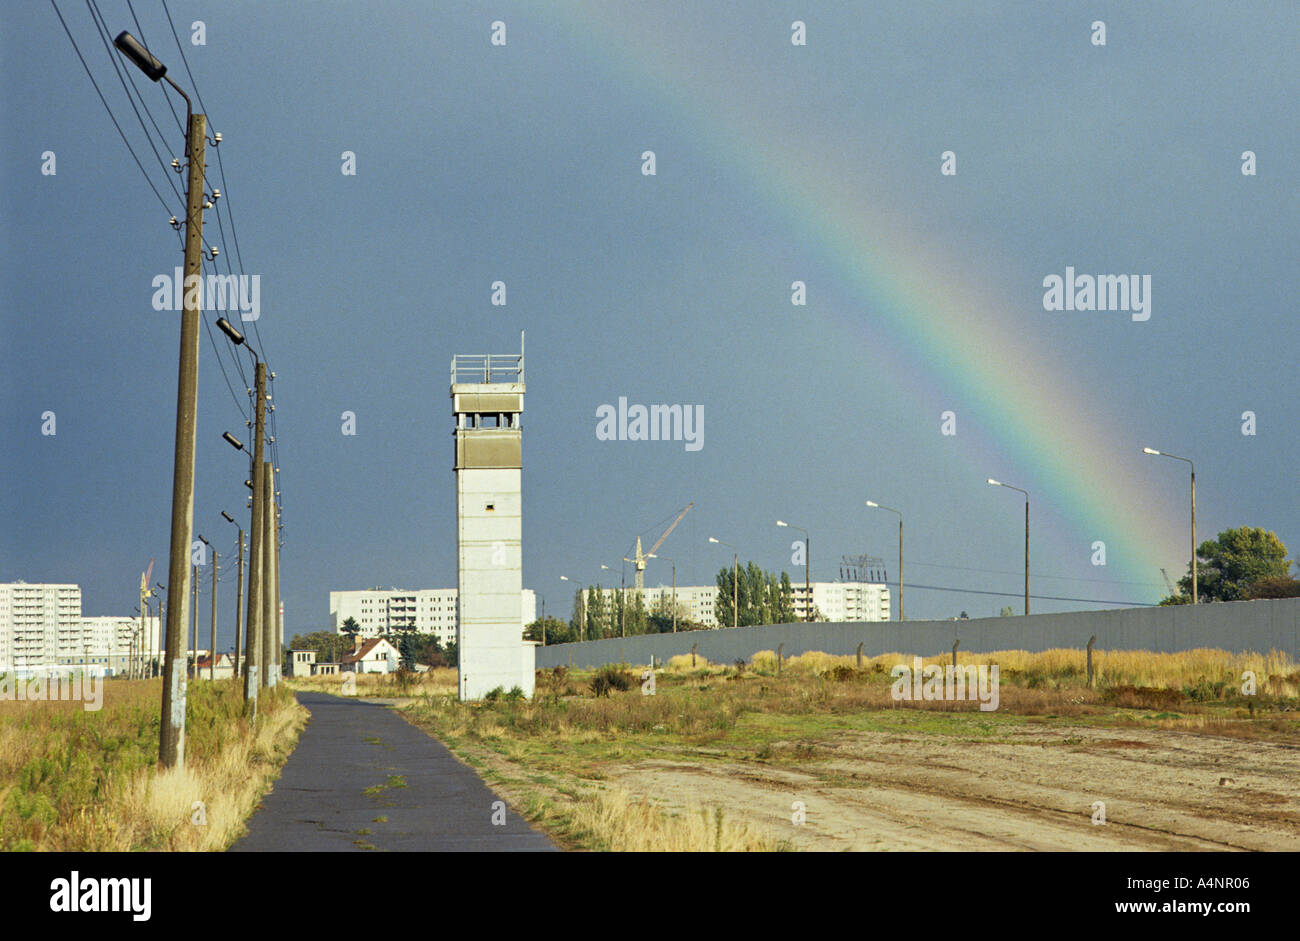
1033	790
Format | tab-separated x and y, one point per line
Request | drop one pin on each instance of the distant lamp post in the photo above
877	506
735	580
998	483
1193	467
807	568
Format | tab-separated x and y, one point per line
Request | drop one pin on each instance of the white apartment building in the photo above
426	611
36	622
42	629
832	601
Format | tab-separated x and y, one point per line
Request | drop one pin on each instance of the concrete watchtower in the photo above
487	397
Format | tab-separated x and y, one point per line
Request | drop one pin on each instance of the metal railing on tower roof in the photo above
487	367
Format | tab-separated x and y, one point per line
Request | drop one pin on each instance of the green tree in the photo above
350	630
1007	612
785	602
327	645
597	613
1229	565
557	631
761	597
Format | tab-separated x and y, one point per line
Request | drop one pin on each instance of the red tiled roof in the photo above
360	654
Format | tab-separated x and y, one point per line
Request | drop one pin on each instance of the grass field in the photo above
732	757
77	780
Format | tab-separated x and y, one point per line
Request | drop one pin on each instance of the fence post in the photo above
860	656
779	647
954	652
693	646
1091	640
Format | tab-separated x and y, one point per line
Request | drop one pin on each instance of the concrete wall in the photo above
1239	626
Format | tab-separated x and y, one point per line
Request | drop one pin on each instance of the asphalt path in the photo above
342	790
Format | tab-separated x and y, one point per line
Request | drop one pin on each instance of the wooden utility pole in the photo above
279	613
212	654
253	621
194	636
267	536
239	598
171	739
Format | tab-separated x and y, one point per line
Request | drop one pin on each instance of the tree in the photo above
1007	612
327	645
597	613
785	601
1276	586
760	597
557	631
350	630
1231	563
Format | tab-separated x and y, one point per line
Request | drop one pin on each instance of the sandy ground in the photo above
1163	790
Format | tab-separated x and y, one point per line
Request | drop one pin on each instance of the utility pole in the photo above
171	745
212	654
239	598
267	536
256	540
1195	599
194	636
280	614
1026	554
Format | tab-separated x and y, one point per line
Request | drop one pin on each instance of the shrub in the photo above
616	677
494	694
515	694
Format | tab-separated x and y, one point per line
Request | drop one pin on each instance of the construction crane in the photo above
640	559
1168	583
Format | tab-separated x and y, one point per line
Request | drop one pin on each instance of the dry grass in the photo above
438	681
553	755
612	819
88	781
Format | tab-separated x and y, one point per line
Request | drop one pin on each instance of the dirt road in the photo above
1033	790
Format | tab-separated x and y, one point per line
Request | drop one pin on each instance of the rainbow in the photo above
929	309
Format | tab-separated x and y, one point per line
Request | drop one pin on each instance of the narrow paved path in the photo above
341	790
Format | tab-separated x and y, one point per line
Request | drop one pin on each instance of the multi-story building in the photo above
832	601
379	611
36	622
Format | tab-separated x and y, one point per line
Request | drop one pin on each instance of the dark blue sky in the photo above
522	163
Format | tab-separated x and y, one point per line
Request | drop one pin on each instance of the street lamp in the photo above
874	505
1193	467
807	562
239	588
735	580
674	564
998	483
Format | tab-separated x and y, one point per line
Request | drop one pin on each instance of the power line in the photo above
111	117
145	42
117	70
1014	594
261	350
1068	578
